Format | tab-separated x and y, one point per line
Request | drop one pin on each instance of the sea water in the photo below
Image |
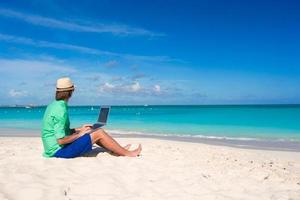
243	122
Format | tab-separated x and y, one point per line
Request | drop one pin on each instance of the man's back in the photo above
56	125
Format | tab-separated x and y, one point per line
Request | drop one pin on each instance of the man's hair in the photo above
63	95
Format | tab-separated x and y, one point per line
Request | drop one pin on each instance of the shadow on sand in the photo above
97	150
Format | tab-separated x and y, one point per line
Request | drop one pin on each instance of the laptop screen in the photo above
103	115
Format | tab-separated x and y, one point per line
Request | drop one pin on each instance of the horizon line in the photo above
146	105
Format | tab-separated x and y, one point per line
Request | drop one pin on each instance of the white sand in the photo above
166	170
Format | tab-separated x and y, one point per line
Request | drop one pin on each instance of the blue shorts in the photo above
77	148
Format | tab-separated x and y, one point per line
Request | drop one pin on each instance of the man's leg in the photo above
105	140
127	146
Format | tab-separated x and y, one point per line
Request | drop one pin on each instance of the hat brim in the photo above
65	89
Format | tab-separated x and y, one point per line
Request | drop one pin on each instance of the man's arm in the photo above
76	130
74	136
68	139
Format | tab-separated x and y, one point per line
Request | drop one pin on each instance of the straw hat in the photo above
64	84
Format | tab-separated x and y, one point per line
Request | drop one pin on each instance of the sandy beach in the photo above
165	170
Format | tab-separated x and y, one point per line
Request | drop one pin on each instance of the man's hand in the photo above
84	130
87	126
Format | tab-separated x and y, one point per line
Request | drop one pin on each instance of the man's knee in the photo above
99	133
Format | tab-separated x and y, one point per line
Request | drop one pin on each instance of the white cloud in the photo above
157	89
17	93
40	77
135	87
117	78
112	63
81	49
83	26
107	87
41	43
25	68
130	88
138	76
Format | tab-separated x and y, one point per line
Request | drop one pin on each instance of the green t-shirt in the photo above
56	125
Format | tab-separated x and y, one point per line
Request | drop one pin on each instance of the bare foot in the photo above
135	152
127	147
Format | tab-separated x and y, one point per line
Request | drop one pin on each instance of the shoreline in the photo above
272	145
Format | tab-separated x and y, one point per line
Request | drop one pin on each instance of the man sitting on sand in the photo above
62	142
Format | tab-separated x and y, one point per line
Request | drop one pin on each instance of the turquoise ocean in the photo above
246	122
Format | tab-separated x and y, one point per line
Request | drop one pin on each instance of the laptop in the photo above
102	119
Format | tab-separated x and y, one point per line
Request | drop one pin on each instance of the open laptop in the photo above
102	119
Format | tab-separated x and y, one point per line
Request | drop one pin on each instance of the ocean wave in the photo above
212	137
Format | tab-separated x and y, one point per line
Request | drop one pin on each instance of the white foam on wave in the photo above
123	132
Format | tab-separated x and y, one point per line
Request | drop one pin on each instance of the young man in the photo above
61	141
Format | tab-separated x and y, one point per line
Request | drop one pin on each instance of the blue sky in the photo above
151	52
